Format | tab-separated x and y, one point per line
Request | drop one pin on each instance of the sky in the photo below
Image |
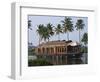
33	36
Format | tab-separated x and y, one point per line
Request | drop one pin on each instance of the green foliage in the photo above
67	26
40	30
50	29
29	24
85	38
38	62
45	31
45	35
58	30
31	51
84	49
79	24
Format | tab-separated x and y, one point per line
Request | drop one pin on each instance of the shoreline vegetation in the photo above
48	30
38	62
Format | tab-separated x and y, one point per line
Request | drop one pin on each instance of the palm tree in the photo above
85	38
79	26
85	41
29	28
67	26
43	33
40	31
50	29
58	30
29	24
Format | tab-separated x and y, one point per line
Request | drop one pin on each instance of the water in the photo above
63	60
80	60
84	58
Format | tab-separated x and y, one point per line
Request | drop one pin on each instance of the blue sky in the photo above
36	20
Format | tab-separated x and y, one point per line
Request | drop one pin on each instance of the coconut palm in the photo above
29	28
40	31
85	38
47	32
67	26
43	33
79	26
29	24
85	41
58	30
50	29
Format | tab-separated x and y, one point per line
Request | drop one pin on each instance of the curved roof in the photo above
73	44
58	42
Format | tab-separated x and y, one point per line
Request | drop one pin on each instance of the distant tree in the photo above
85	38
29	28
29	24
67	26
43	32
40	31
58	30
50	30
79	26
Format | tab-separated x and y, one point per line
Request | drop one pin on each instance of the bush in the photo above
38	62
84	49
31	51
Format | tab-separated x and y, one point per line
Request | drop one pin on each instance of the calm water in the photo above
70	60
64	60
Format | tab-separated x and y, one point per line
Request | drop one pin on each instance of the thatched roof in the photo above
58	42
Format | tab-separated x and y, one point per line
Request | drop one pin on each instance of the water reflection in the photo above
75	61
64	60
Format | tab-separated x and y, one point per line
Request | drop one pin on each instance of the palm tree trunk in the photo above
67	36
